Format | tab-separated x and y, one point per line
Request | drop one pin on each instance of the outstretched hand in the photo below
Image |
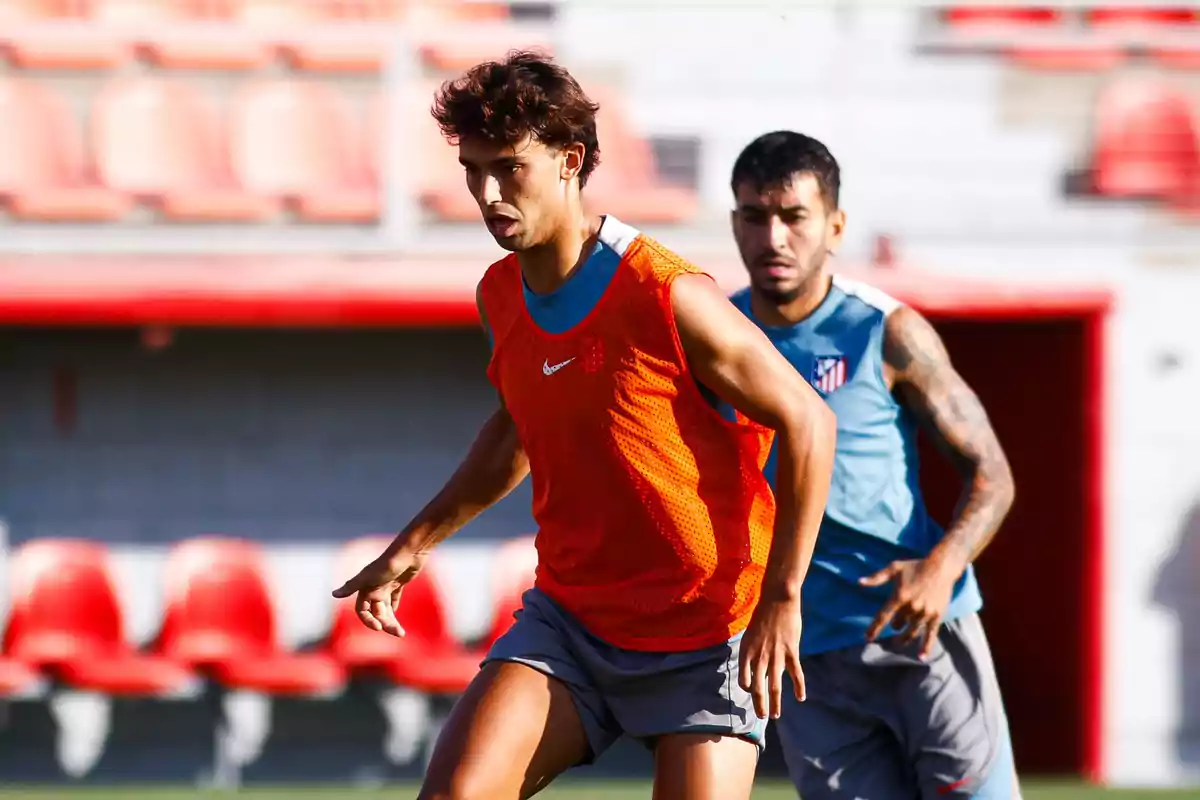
919	602
378	586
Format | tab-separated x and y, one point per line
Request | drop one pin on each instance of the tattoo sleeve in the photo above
926	382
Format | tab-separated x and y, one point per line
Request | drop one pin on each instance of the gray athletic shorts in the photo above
881	724
643	695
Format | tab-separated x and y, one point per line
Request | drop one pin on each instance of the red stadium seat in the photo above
1145	143
162	141
301	142
42	171
513	573
18	679
1020	16
66	618
427	658
220	617
1142	16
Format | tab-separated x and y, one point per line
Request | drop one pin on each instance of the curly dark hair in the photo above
525	94
775	158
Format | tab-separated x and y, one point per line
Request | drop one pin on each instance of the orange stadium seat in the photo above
302	142
220	618
45	34
1177	58
162	141
186	33
455	36
427	658
441	189
513	572
325	35
1145	142
43	175
1082	58
626	184
66	618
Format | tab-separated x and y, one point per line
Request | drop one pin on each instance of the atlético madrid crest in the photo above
829	373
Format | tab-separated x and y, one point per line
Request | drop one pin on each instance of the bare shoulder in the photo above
703	311
912	347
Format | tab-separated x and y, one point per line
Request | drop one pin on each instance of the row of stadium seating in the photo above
318	35
1043	16
281	145
66	626
1073	39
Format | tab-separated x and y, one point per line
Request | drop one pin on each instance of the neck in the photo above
811	295
547	266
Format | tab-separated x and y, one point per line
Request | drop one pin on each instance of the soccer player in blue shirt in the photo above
902	701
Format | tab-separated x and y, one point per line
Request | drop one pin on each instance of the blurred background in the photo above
238	344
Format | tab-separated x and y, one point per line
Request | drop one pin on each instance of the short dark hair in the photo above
525	94
775	158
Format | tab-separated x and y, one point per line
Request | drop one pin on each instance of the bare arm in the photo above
925	381
493	467
733	358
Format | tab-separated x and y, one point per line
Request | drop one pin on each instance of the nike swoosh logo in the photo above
547	369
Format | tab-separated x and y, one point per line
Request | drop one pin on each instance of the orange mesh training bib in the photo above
654	518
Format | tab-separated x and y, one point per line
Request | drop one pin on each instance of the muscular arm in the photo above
733	358
925	381
493	467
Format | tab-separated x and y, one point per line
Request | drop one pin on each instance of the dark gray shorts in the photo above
643	695
880	724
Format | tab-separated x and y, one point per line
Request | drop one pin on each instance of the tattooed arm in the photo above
926	382
919	371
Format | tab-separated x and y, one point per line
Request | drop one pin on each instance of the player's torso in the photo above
875	513
643	510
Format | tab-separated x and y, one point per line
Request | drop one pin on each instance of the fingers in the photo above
796	673
348	588
883	618
376	610
381	609
883	576
362	607
775	685
931	634
758	685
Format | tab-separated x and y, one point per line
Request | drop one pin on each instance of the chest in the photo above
844	367
577	382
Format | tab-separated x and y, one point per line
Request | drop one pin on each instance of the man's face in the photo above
520	188
784	234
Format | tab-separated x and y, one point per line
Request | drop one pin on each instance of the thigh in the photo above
704	766
837	751
955	721
697	691
512	732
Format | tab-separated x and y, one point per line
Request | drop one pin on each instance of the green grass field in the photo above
592	790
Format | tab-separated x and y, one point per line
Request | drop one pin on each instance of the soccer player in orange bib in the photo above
666	604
